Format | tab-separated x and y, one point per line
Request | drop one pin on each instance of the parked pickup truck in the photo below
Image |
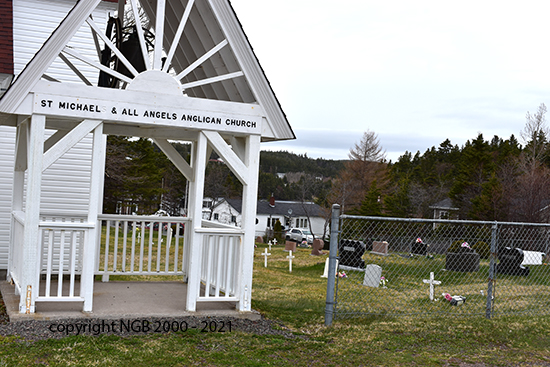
299	235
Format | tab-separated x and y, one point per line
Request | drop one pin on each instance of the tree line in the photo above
493	180
486	179
140	179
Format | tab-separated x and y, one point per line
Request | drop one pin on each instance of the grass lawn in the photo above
297	301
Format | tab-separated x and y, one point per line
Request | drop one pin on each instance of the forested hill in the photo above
284	162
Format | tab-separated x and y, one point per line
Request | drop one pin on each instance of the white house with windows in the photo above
291	214
76	71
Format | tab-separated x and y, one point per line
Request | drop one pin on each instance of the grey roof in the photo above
444	204
282	208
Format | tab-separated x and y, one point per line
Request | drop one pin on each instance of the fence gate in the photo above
398	266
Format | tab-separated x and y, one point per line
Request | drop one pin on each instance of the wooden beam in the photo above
68	141
212	80
201	59
248	221
89	252
159	34
176	158
113	48
239	146
141	36
30	253
53	139
196	195
21	146
177	36
96	65
230	158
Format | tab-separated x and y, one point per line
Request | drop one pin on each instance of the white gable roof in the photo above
213	57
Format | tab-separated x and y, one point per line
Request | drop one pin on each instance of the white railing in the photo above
141	245
16	257
62	245
221	251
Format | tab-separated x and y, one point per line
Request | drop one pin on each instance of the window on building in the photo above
216	216
233	219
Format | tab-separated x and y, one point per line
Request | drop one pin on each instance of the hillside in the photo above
285	162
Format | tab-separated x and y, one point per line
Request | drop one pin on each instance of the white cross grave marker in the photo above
290	257
269	245
265	255
431	282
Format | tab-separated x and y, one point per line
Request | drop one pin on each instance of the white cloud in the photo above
416	73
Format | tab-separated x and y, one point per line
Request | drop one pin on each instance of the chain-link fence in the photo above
394	266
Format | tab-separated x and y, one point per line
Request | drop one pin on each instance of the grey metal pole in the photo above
489	306
329	309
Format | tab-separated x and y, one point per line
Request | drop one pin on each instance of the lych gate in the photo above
199	82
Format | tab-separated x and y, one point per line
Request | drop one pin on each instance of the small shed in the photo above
160	69
444	209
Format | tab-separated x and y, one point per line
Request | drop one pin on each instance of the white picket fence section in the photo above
142	245
221	252
16	252
63	240
131	245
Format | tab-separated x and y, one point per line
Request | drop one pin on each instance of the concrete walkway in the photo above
129	300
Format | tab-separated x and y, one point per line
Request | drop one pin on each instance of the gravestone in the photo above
290	246
350	253
432	282
380	248
510	262
465	260
373	273
533	257
317	247
419	248
325	272
290	257
259	239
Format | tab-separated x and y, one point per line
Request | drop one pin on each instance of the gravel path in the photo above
40	330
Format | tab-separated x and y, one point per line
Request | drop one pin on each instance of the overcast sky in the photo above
415	73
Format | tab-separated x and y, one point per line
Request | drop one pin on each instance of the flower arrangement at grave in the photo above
454	300
383	282
342	275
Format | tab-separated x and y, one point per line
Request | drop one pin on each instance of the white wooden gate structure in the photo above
199	83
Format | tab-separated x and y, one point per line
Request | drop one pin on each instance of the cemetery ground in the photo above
292	332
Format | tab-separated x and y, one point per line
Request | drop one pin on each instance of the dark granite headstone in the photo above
419	247
510	262
465	259
350	253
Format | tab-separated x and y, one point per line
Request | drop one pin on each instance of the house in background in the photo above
291	214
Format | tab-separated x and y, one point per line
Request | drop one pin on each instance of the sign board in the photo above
145	113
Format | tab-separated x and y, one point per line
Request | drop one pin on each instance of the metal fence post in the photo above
489	307
329	309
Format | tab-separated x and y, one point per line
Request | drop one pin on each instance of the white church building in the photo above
73	72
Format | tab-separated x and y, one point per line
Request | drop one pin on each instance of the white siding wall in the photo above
35	20
7	144
65	185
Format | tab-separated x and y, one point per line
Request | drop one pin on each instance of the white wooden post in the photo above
96	198
196	193
248	222
30	269
20	165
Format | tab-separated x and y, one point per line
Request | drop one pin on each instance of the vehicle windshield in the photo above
307	232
